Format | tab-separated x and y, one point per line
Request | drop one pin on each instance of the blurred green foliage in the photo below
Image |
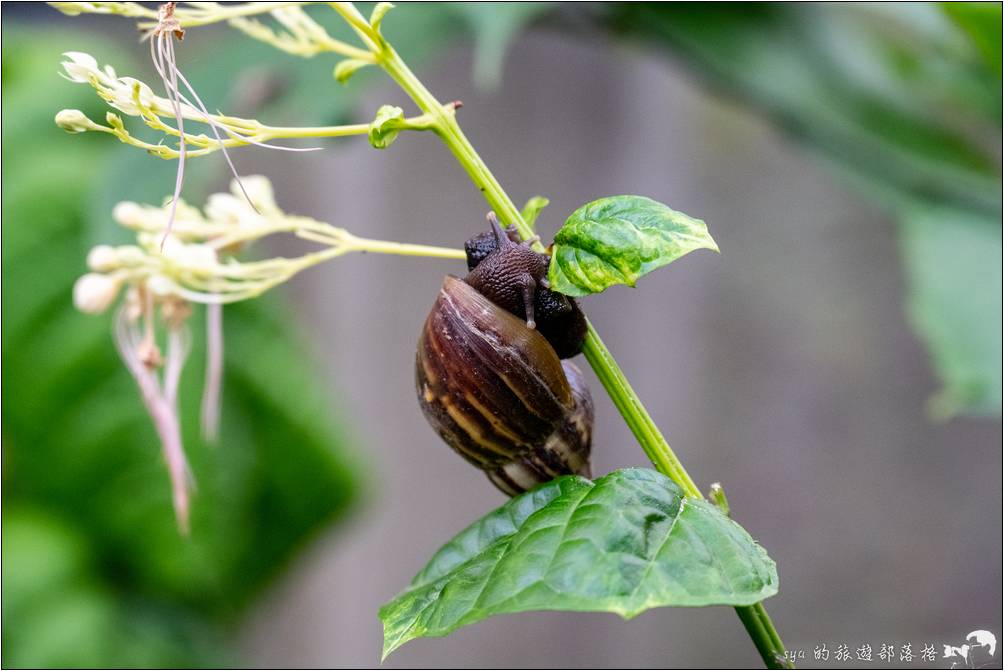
94	571
905	102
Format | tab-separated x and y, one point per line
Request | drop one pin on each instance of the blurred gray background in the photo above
783	368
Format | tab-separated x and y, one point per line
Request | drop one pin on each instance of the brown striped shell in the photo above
497	393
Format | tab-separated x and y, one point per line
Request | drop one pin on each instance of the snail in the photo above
488	369
510	276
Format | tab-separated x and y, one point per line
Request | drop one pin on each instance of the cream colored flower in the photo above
93	293
75	121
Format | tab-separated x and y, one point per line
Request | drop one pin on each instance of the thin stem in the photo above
212	388
284	132
403	249
361	26
754	618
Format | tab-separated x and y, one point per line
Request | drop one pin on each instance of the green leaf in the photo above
618	239
348	67
388	123
625	543
532	210
953	268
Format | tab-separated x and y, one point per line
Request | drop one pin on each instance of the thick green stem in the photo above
635	414
754	618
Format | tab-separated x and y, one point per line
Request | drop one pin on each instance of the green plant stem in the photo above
754	618
403	249
635	415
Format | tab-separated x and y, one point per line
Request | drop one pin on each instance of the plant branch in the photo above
755	619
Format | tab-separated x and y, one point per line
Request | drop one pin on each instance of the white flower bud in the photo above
150	242
80	66
72	8
193	255
259	189
172	248
200	256
159	285
222	208
74	121
94	292
103	259
129	255
128	213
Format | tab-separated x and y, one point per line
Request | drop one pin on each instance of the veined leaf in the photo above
618	239
625	543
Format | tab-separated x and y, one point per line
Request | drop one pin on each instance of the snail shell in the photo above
497	393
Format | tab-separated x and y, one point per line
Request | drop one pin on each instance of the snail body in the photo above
493	386
514	277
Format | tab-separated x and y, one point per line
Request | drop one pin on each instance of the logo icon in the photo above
976	653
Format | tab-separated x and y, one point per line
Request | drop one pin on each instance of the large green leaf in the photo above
625	543
618	239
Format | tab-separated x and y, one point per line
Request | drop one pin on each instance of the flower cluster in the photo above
165	273
160	280
134	98
189	265
155	279
184	255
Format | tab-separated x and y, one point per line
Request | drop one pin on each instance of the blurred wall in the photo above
783	368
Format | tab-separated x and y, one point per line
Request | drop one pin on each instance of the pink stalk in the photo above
214	373
161	407
159	54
